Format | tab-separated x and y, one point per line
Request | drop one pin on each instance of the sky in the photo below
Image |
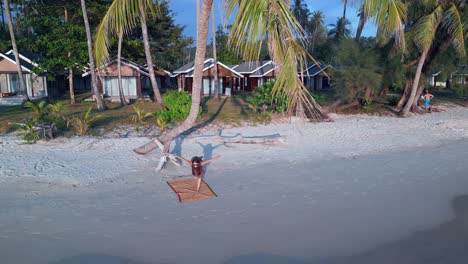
185	14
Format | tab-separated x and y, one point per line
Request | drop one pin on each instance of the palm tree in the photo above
123	15
215	60
255	22
444	18
100	102
316	28
22	82
340	30
119	69
345	3
363	16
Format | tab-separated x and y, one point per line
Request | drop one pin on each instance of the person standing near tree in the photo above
427	100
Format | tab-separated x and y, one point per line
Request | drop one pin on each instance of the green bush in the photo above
264	96
39	110
178	105
30	134
460	90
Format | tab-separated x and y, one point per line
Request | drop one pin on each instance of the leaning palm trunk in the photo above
97	94
200	53
22	88
119	69
149	60
215	62
362	22
405	111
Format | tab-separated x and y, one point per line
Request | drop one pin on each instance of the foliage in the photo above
340	30
178	105
57	109
38	110
30	134
162	118
82	123
359	71
461	90
138	115
264	96
223	52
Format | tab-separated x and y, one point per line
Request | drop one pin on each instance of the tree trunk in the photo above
23	88
119	69
414	88
100	102
215	62
70	68
347	106
345	3
362	21
149	60
166	138
405	95
70	86
414	107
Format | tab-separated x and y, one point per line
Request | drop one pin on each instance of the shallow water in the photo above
399	207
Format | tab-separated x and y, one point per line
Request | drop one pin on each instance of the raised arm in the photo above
183	159
210	160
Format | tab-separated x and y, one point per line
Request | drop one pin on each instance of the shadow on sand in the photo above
99	259
446	243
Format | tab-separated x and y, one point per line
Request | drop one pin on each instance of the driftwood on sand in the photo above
236	139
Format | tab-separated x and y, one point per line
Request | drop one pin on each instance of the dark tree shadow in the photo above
178	145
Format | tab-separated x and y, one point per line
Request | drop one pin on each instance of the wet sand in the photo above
395	207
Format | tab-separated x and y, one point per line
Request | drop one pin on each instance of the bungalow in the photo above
36	85
135	79
227	77
315	77
460	76
256	73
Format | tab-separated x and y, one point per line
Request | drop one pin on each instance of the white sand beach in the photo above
329	193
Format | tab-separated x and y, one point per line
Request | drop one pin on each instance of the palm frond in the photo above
426	28
257	21
389	15
122	16
454	25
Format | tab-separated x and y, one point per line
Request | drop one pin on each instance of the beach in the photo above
361	189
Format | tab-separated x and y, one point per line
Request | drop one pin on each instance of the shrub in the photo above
139	115
30	134
264	96
460	90
38	110
82	123
178	105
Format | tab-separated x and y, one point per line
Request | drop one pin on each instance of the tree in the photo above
249	32
358	79
316	30
363	16
215	61
224	53
122	16
22	87
340	30
99	101
301	12
345	4
443	18
119	69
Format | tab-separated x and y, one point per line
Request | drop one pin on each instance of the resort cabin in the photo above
135	79
228	78
36	85
256	73
315	76
460	77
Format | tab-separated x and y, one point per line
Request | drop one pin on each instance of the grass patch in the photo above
230	110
